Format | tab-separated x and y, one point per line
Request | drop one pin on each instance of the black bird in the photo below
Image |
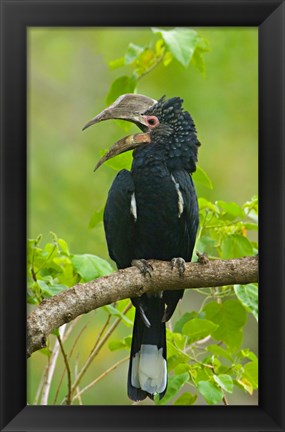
152	213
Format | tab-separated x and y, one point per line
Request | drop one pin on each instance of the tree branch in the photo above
82	298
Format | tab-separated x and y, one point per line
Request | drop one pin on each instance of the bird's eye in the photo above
152	121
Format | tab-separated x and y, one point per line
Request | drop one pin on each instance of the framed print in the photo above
35	84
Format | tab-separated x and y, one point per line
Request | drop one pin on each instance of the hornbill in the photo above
152	213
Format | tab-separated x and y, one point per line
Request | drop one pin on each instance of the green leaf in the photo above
212	394
198	329
207	205
167	59
63	246
176	356
96	218
120	344
198	58
200	373
181	321
230	210
251	373
55	332
236	246
45	351
90	267
225	382
251	226
178	339
181	42
32	300
198	61
50	290
115	312
246	353
206	244
201	177
175	383
244	384
123	84
231	317
186	399
114	64
133	52
219	351
248	296
43	286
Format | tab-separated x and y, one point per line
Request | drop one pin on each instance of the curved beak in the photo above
128	107
130	142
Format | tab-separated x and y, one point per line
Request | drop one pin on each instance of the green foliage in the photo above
181	44
224	227
52	268
248	295
175	383
197	329
211	392
202	178
90	267
230	317
185	45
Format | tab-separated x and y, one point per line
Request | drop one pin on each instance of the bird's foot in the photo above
143	266
202	258
179	263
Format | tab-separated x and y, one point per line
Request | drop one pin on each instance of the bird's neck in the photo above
177	155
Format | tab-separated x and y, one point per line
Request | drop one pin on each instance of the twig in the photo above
225	400
96	350
51	367
77	388
69	356
153	66
102	331
68	398
100	377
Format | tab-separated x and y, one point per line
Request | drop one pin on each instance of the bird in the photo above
151	212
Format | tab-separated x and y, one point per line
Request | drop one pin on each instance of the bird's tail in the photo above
148	369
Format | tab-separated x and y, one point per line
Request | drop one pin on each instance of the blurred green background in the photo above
68	80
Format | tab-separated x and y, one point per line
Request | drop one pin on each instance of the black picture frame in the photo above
16	16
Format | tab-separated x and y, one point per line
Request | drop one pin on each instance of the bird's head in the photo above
156	119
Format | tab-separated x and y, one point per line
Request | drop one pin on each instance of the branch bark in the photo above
82	298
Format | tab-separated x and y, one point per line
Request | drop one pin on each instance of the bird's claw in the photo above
143	266
202	258
179	263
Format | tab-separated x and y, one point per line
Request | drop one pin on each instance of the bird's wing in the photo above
190	214
119	219
188	222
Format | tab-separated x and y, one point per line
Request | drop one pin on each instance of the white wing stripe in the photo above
134	207
180	197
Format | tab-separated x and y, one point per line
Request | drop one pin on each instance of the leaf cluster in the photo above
181	44
224	228
205	354
52	268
